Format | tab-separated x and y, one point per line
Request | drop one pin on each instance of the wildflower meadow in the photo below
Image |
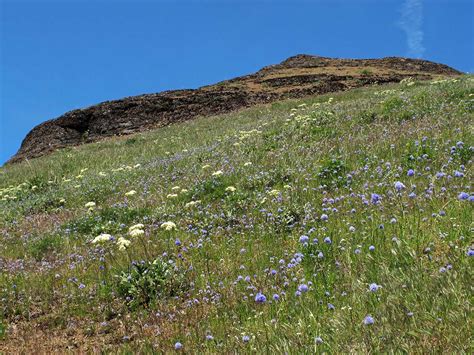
339	223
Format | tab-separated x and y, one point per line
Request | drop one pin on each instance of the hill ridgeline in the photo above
296	77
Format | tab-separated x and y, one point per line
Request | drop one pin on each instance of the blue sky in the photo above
56	56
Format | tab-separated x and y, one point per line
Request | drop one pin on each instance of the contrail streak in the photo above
411	23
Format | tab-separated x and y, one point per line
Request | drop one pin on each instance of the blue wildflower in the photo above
178	345
260	298
375	198
399	186
303	288
373	287
368	320
304	239
463	196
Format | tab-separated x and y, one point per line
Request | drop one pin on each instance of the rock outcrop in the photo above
296	77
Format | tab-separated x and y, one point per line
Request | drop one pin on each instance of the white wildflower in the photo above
136	226
102	238
136	232
123	243
274	193
192	203
168	226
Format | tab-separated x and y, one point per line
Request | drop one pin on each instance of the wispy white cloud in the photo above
411	23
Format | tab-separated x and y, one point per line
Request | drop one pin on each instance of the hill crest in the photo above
298	76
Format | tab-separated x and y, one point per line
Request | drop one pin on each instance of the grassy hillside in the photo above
337	223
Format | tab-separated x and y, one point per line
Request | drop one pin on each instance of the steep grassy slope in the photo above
337	224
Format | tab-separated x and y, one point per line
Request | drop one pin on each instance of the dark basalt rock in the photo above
298	76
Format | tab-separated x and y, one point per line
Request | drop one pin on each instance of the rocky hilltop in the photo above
298	76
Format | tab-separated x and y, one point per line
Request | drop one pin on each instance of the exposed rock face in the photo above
298	76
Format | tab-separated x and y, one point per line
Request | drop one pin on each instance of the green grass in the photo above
300	168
